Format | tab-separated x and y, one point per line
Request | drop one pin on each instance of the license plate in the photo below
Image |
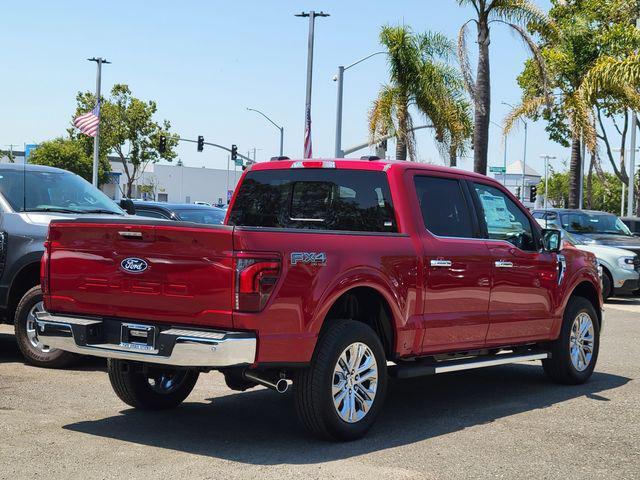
138	337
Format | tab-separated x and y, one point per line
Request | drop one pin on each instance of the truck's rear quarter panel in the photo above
288	326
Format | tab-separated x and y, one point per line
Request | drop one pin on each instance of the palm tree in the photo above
515	14
421	77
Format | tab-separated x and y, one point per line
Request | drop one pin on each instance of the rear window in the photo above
318	199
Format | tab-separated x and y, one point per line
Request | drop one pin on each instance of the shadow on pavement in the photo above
260	427
10	353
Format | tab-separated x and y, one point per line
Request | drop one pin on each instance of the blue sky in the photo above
205	62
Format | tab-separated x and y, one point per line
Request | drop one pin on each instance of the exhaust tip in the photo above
282	386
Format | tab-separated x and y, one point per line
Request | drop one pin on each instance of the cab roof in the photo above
364	164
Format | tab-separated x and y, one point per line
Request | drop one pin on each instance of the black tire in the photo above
607	284
135	386
560	366
313	396
36	353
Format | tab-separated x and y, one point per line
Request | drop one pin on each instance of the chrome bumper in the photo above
173	346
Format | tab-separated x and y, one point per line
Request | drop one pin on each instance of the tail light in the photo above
255	279
44	269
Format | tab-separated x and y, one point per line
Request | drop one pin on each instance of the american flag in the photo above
308	151
88	123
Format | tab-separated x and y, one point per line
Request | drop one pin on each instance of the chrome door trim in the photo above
441	263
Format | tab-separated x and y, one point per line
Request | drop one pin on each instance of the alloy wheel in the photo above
581	341
355	382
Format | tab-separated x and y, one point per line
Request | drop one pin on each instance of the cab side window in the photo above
504	219
444	209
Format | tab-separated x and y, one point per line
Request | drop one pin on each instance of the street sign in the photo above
238	162
28	148
497	169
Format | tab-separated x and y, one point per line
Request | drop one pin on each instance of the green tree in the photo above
69	154
515	14
585	32
421	77
605	194
128	130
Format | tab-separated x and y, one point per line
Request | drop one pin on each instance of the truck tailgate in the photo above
145	270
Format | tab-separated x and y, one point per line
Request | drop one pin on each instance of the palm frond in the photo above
609	73
382	114
521	12
463	60
528	108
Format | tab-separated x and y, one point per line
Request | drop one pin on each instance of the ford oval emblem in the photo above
134	265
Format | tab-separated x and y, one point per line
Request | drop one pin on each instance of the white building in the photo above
175	183
513	181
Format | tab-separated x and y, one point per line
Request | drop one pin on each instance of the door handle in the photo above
503	264
441	263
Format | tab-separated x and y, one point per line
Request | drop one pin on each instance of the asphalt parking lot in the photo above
504	422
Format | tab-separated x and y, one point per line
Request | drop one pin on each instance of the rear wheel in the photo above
341	393
35	352
575	352
150	389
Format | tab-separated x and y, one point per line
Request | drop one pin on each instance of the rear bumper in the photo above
169	346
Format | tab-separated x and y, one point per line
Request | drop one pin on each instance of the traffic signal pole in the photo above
217	146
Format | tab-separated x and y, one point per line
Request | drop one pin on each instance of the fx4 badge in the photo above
309	258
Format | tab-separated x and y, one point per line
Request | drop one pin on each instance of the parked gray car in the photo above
591	227
30	197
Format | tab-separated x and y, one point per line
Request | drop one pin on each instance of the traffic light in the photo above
533	193
200	143
234	152
162	144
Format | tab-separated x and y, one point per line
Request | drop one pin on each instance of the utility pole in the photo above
583	154
546	159
96	140
11	159
632	157
308	151
524	160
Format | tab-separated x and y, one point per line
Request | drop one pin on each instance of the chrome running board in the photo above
421	368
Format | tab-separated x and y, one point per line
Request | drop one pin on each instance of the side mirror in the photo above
127	205
551	240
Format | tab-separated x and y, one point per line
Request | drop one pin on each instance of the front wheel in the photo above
35	352
152	388
575	352
339	396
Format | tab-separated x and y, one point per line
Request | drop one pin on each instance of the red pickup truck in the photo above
330	276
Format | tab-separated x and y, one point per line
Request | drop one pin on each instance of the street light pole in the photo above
524	159
504	173
340	79
275	125
96	140
307	112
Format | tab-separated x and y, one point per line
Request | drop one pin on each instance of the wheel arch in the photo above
368	305
27	277
588	291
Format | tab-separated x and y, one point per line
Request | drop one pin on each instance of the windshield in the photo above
207	216
594	223
53	192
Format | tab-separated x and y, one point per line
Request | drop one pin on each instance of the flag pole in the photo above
96	140
307	112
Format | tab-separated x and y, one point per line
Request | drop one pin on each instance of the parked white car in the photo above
620	268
